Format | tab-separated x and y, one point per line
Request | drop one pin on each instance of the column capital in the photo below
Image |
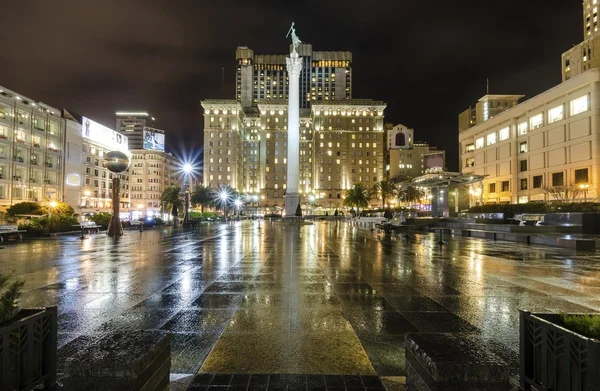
294	64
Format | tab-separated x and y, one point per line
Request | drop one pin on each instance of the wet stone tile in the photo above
217	301
199	321
438	322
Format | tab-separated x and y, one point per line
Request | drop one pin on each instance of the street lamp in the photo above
224	196
238	205
187	170
53	205
584	187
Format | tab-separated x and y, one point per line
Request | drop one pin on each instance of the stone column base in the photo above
291	204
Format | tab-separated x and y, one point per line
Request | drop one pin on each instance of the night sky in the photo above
428	60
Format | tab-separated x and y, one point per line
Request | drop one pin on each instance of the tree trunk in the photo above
202	208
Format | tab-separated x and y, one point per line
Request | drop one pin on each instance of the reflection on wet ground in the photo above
322	299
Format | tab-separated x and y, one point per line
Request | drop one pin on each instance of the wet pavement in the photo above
264	299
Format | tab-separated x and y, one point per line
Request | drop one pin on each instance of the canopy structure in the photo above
440	182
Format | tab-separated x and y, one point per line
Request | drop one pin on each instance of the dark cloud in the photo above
428	59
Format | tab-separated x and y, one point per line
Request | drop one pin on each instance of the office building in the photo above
409	159
31	150
150	172
585	55
487	107
548	141
88	184
341	144
325	76
132	124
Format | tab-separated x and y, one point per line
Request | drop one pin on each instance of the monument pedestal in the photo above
291	204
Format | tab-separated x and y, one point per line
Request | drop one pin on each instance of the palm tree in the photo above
410	194
171	196
203	196
384	190
358	196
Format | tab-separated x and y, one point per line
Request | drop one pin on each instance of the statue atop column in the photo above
295	40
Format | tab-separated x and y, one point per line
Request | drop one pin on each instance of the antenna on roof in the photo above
222	78
487	86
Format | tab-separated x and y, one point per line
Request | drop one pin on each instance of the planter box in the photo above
126	361
28	350
554	358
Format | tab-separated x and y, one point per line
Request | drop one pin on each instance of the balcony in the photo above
52	149
18	159
20	141
16	177
49	165
37	145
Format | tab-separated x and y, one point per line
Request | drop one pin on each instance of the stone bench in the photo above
132	361
570	242
453	362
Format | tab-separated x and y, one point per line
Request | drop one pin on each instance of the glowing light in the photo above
53	204
187	168
87	193
140	206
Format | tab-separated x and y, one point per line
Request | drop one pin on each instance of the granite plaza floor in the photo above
267	298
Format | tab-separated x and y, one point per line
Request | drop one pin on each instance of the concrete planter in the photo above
554	358
128	361
28	350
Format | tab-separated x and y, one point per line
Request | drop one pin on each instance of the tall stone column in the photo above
292	197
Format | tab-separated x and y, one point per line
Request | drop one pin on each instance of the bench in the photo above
495	235
8	231
133	361
441	230
485	234
454	362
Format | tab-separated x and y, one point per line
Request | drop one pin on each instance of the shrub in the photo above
510	210
100	218
586	325
25	208
9	294
202	216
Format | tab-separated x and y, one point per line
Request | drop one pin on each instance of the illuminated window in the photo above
491	138
479	143
470	148
580	105
556	114
522	128
504	133
537	121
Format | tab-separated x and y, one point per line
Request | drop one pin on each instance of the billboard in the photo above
106	137
154	139
433	161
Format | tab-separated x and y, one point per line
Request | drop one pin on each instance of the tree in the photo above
564	193
410	194
384	190
358	196
203	196
10	291
171	196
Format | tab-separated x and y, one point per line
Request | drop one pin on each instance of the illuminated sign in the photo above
106	137
154	139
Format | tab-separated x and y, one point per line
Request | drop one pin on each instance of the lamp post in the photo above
53	205
187	169
584	187
238	206
224	196
116	162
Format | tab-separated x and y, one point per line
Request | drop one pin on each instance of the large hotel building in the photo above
341	139
537	149
32	136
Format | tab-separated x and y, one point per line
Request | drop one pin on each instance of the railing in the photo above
554	358
28	350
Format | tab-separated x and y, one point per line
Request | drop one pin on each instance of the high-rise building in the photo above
341	144
408	158
132	124
325	76
151	171
32	137
88	184
585	55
